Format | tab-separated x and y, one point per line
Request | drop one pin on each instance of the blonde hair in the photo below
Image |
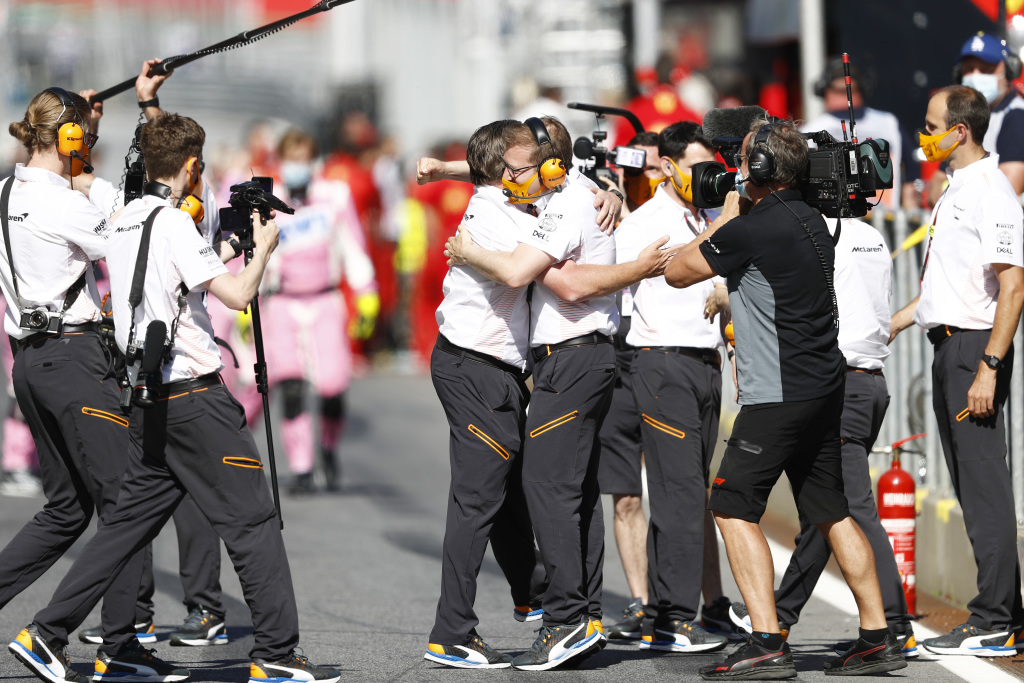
44	117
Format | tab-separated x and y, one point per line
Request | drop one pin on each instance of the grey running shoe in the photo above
473	654
631	624
682	636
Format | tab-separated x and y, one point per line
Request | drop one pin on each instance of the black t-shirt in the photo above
786	342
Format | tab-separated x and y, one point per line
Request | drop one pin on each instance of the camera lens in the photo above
38	320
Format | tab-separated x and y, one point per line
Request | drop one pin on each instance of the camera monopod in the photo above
242	39
262	385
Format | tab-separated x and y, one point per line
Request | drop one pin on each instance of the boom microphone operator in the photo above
149	377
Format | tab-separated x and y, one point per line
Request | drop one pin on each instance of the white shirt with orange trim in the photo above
478	313
976	223
55	234
178	255
567	230
664	315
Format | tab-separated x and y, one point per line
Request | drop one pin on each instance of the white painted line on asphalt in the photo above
835	592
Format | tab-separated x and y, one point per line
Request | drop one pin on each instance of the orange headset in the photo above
550	171
71	138
190	203
552	168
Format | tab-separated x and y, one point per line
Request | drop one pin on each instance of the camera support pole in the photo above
262	386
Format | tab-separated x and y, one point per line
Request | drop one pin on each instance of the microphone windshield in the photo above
153	352
731	122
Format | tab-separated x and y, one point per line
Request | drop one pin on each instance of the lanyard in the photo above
694	224
931	235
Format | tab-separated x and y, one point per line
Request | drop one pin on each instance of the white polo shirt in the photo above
177	254
863	281
55	234
567	229
664	315
478	313
977	222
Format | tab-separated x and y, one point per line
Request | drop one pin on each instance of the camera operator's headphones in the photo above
761	160
190	203
71	135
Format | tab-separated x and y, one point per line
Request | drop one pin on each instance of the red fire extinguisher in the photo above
896	508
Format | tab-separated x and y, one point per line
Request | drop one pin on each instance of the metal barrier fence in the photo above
908	371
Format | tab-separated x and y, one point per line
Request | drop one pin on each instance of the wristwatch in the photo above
993	362
618	194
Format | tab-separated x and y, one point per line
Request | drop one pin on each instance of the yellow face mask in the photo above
685	189
519	193
640	188
931	149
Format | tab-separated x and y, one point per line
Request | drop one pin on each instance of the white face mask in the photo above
741	185
986	84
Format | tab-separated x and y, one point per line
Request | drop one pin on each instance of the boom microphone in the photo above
86	167
731	122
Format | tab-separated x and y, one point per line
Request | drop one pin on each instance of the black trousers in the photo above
679	399
571	394
485	407
69	396
198	564
866	400
620	471
198	443
975	452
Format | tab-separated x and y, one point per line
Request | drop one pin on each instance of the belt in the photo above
66	329
940	332
545	350
850	368
707	355
186	386
469	354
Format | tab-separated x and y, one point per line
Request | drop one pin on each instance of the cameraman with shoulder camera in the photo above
188	434
777	259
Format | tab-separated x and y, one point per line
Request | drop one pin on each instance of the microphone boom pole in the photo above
243	38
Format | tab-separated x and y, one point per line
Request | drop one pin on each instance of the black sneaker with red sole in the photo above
750	661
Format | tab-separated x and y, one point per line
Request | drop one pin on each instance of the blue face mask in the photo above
741	185
296	173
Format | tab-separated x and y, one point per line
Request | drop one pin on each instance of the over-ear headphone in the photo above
190	203
552	168
761	160
71	135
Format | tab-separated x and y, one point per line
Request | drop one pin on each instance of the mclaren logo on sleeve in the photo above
17	218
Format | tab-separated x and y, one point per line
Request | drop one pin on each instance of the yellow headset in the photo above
550	171
71	140
552	168
190	203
